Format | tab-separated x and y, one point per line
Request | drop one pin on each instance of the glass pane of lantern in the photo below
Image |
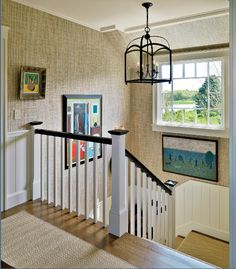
132	65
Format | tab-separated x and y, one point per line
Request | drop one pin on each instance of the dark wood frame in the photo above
192	138
65	97
42	83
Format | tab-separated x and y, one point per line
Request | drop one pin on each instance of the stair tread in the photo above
164	257
206	248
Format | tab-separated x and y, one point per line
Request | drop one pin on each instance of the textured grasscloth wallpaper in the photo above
146	144
84	61
78	61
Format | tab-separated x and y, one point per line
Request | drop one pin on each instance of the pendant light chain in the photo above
147	29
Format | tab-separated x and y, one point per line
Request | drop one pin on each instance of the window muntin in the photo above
196	97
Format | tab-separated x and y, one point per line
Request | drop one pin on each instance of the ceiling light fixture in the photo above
142	57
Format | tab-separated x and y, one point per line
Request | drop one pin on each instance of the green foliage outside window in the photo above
200	99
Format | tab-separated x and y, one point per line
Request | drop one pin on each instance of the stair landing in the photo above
139	252
206	248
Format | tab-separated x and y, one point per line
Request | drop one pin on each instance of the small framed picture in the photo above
33	83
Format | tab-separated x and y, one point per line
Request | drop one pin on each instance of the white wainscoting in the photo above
204	208
18	167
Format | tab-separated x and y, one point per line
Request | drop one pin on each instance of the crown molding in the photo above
200	16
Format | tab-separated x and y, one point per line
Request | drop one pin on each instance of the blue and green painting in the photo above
190	157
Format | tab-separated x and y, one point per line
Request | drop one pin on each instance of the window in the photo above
195	99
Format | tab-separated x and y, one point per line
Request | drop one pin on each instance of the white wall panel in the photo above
224	214
188	203
18	165
205	205
197	196
202	207
215	208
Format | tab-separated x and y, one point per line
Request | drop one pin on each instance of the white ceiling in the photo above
126	15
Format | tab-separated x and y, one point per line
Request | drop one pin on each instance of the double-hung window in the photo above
195	99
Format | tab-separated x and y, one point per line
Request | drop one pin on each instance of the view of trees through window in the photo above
196	96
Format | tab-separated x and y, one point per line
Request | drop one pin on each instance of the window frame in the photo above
205	130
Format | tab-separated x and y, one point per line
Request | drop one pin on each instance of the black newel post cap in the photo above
34	123
118	132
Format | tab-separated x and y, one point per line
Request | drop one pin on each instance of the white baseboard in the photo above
17	198
183	230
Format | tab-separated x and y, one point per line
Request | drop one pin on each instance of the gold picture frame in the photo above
33	83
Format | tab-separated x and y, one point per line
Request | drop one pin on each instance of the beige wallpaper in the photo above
146	144
79	60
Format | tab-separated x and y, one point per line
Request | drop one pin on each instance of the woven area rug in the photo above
28	242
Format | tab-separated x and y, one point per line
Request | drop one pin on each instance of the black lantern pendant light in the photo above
142	57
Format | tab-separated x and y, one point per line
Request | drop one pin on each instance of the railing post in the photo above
118	218
35	160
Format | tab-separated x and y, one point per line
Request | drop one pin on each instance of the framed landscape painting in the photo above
82	115
190	157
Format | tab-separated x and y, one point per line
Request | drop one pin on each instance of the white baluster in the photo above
132	198
144	205
95	188
149	208
55	170
62	172
138	202
86	180
104	150
159	214
77	177
154	214
70	174
171	213
41	169
48	170
166	219
162	216
126	182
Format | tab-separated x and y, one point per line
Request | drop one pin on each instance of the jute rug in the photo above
28	242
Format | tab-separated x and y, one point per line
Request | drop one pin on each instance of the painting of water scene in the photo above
190	157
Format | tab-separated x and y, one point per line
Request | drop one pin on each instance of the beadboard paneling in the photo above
202	207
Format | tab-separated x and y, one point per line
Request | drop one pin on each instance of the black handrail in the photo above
95	139
147	171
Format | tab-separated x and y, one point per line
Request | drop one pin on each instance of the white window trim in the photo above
196	130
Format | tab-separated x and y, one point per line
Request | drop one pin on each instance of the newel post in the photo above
118	218
35	160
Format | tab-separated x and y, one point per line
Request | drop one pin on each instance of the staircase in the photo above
206	248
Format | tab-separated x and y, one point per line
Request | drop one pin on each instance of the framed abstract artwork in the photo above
190	157
33	83
82	115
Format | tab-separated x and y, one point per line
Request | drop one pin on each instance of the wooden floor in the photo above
139	252
206	248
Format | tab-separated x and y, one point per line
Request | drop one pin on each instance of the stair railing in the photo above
151	205
140	202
